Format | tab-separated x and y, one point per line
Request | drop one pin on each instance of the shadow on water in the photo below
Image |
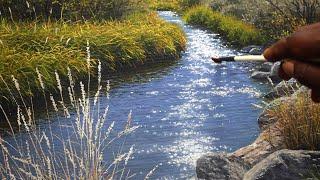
184	108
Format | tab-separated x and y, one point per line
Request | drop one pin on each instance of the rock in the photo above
302	90
261	76
286	164
254	50
284	88
268	142
265	67
220	166
274	72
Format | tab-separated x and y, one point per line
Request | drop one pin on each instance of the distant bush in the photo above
233	30
68	9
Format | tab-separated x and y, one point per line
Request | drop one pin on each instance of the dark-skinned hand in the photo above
294	52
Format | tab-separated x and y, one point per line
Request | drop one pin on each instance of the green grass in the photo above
119	45
165	5
233	30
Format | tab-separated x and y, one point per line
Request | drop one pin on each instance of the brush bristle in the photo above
216	59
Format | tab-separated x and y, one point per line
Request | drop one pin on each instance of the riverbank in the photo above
124	45
234	31
288	144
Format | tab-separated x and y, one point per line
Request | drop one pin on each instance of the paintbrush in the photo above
256	58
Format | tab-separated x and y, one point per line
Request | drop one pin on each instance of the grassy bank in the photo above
233	30
165	5
119	45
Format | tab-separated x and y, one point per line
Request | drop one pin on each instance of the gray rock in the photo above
286	164
220	166
265	67
254	50
261	76
301	90
284	88
274	72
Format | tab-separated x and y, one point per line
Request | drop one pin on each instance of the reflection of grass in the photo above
78	153
235	31
299	122
119	45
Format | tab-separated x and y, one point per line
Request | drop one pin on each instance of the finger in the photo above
315	26
288	68
306	74
315	95
278	51
282	71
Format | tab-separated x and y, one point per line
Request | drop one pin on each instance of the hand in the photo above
295	51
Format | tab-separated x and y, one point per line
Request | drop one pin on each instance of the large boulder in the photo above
284	88
286	164
220	166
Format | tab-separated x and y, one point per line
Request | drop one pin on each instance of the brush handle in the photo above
250	58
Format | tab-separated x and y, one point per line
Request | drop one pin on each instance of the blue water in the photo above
184	109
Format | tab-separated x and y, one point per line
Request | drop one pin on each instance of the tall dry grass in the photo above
31	152
299	122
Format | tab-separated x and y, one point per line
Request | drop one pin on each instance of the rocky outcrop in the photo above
286	164
222	166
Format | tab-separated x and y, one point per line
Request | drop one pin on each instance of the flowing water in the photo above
185	109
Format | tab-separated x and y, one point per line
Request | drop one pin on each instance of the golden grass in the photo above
233	30
119	45
299	122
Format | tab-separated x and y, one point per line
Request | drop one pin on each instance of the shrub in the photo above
232	29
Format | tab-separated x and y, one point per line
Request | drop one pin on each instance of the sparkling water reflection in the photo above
185	109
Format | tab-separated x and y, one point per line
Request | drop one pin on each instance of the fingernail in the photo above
288	67
267	54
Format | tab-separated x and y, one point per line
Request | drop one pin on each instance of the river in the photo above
185	109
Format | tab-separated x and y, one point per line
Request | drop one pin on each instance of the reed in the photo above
233	30
76	153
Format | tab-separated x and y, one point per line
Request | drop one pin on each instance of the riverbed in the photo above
184	109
